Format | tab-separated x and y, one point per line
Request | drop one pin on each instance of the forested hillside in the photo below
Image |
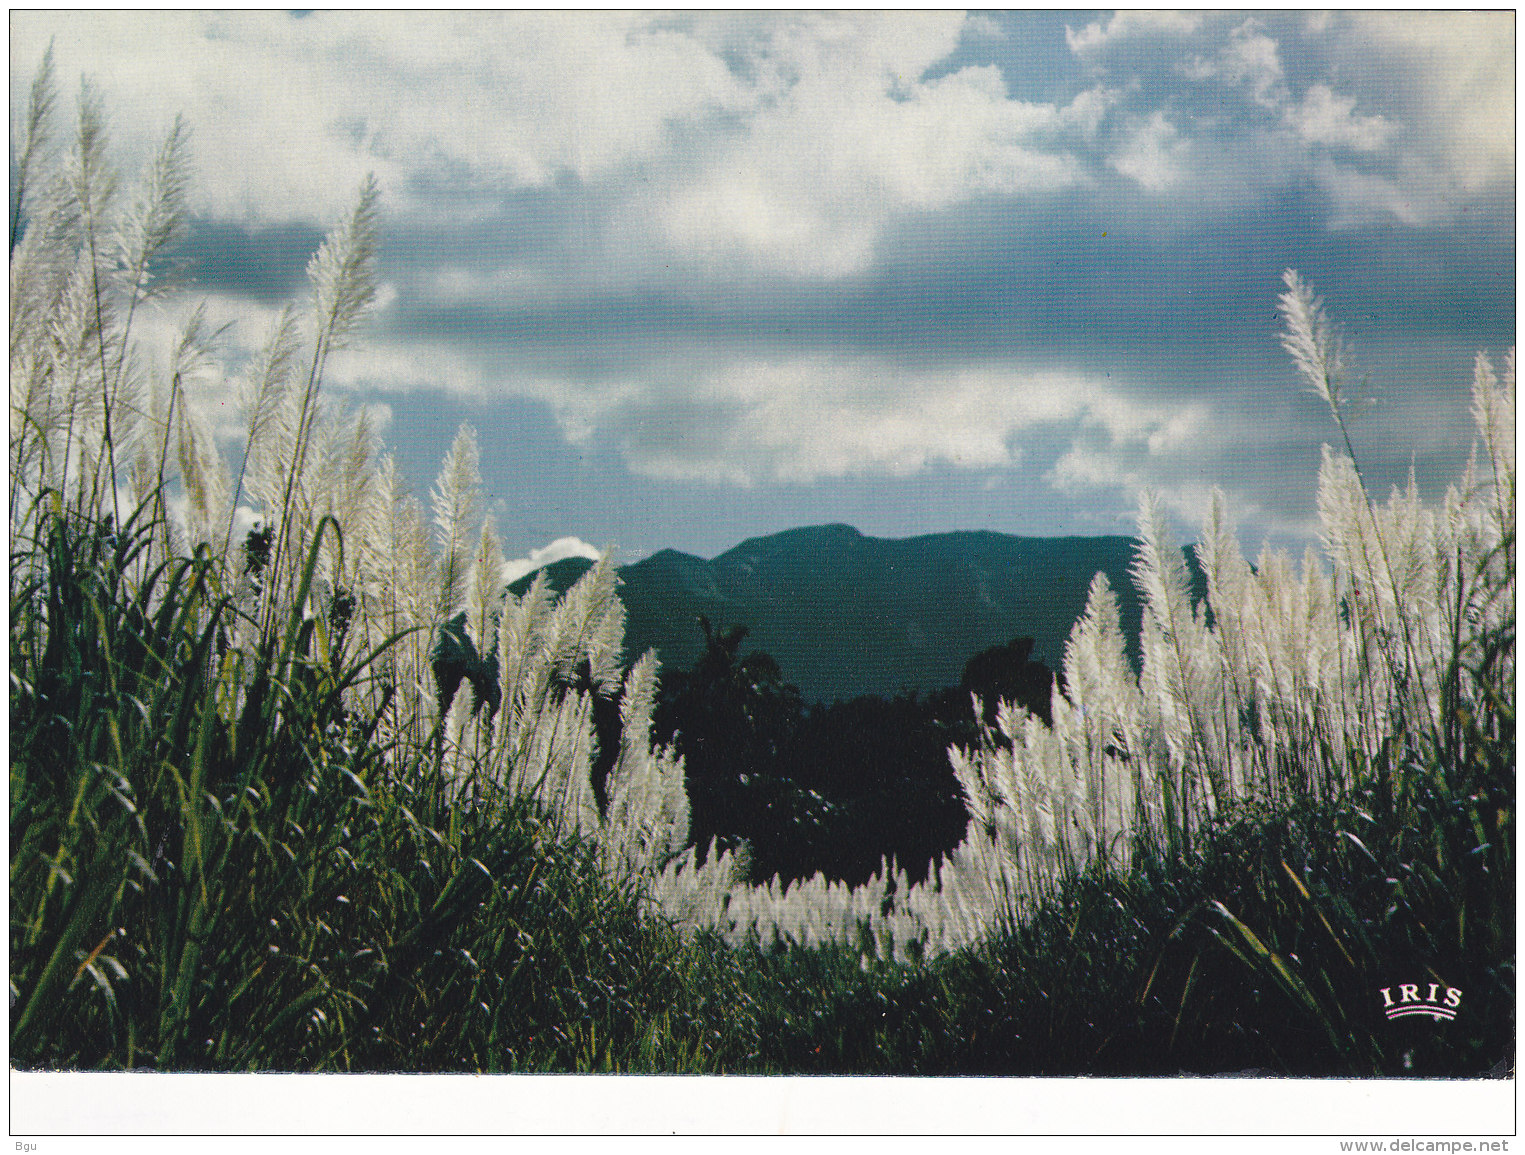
847	615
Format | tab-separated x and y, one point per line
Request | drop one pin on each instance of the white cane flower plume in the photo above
149	407
262	396
343	271
648	816
1223	565
273	476
74	375
156	216
1097	673
457	516
32	420
150	452
41	274
484	588
1458	529
1275	649
1228	592
269	375
42	259
590	624
192	358
1313	343
638	702
1178	661
968	771
92	183
363	508
1350	533
1321	643
457	764
411	589
343	278
205	480
42	267
31	143
91	179
71	328
523	664
1493	413
557	759
383	569
1159	570
1407	527
1506	423
129	398
320	493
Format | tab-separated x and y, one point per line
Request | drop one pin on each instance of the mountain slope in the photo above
845	614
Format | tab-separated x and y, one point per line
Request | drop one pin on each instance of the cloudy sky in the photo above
698	277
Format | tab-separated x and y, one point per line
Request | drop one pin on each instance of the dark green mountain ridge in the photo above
846	614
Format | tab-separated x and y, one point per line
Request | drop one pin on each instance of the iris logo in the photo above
1411	1002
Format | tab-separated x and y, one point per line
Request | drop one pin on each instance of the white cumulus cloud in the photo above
1326	118
1459	70
559	550
1154	153
790	141
1129	25
291	113
803	419
855	134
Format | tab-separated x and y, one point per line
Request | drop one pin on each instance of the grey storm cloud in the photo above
707	275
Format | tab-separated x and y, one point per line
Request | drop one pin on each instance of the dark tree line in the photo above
832	787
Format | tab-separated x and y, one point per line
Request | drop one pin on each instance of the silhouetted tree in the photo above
732	717
839	786
607	728
452	658
1008	674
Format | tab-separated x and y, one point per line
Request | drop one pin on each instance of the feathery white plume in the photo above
343	271
32	142
457	516
1314	345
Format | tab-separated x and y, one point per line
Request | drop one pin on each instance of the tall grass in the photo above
198	883
295	782
1380	669
254	824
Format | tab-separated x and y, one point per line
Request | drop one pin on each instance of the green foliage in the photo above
1263	952
240	833
203	879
